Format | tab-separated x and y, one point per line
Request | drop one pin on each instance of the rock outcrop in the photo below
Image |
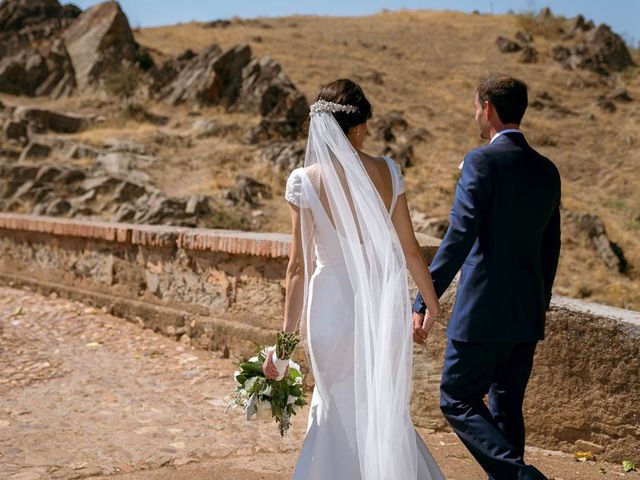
99	41
41	120
593	227
603	51
248	192
33	58
433	226
26	22
266	90
507	46
234	80
284	156
583	45
528	55
159	76
49	49
398	137
69	192
35	72
211	78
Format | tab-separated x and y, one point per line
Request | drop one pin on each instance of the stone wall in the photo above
224	290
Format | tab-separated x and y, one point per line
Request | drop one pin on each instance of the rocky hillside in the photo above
198	124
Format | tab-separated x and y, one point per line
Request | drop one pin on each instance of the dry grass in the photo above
430	63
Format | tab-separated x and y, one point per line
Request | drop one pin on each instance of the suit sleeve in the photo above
473	196
550	253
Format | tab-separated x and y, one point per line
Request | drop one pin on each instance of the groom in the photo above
505	235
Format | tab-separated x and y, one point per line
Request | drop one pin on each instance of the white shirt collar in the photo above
502	132
508	130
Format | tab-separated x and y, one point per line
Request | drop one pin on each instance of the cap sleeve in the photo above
293	191
399	178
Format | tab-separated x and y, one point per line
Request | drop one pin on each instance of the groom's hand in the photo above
419	334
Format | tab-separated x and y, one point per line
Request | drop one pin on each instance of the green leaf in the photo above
252	368
628	466
255	384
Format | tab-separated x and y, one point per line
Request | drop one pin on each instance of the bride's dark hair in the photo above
346	92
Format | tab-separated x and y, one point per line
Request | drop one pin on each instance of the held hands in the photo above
422	325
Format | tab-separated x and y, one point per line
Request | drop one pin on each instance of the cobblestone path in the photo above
86	394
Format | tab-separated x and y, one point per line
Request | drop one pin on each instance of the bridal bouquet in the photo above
265	398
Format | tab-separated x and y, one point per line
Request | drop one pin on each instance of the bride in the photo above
347	288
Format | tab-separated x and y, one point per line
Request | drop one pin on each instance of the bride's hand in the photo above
269	368
433	314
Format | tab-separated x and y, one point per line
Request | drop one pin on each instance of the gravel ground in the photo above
86	394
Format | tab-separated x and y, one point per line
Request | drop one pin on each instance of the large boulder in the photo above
211	78
594	229
607	48
267	91
599	50
100	41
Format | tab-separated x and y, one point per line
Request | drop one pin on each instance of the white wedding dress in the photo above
331	448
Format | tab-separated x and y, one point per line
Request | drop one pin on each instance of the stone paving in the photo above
86	394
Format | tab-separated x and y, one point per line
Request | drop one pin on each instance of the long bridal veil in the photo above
386	439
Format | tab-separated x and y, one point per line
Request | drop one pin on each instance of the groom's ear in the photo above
489	109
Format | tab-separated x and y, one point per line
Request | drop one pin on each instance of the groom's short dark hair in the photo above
507	94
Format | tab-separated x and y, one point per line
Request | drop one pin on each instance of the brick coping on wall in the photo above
274	245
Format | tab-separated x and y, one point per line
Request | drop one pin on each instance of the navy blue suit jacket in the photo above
504	233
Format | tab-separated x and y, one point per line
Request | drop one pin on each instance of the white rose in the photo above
253	359
293	365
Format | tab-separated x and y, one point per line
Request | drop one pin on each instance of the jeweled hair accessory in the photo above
322	106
